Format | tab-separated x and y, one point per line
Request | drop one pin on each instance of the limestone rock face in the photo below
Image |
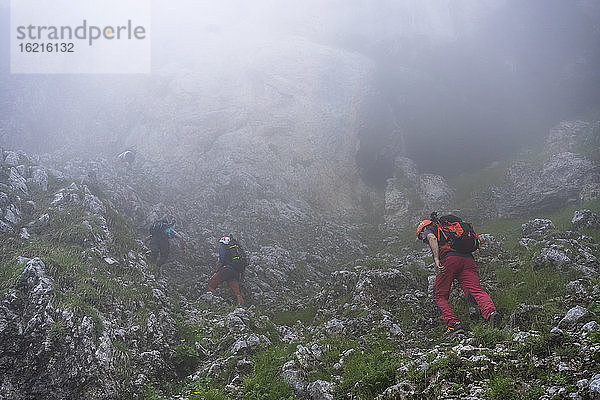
111	348
574	136
434	191
263	147
558	181
286	130
410	196
565	173
28	344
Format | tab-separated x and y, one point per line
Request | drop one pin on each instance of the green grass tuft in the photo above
290	317
266	382
204	389
502	388
123	234
487	336
367	372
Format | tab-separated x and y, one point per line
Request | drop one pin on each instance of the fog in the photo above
453	85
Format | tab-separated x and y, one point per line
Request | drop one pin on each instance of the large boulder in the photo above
537	228
556	182
569	251
320	390
564	173
572	316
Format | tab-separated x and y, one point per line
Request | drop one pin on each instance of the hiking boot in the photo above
452	330
495	319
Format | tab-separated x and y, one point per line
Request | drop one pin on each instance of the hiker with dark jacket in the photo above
160	233
453	259
127	158
230	267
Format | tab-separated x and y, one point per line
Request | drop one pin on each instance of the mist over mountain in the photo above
451	84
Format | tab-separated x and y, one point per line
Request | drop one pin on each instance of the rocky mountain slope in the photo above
336	308
82	314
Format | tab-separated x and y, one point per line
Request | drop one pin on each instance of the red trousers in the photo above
465	271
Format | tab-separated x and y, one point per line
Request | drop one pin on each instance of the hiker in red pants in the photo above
452	242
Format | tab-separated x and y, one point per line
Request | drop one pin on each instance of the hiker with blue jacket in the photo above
160	233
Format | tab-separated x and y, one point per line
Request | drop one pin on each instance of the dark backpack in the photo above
457	235
158	229
237	255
